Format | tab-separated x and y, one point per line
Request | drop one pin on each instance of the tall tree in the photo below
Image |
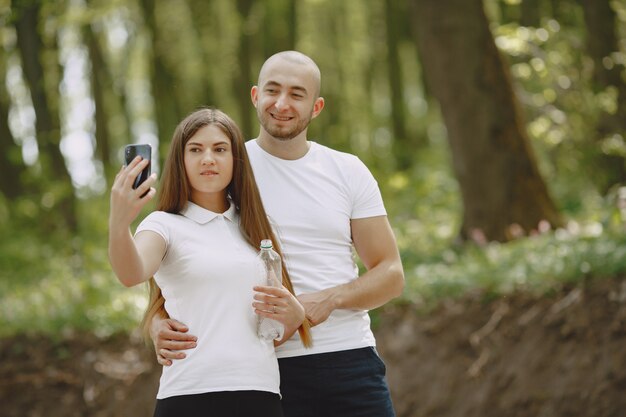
48	125
201	19
602	44
530	13
501	188
401	148
167	109
11	163
280	27
100	84
243	80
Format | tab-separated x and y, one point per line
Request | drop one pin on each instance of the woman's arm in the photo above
133	260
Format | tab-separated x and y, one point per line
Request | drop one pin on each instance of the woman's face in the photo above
209	166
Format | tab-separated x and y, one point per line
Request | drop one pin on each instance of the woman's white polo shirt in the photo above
206	277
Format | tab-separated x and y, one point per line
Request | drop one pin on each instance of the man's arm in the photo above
169	337
376	245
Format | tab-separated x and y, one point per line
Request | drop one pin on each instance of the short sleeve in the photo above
156	222
367	200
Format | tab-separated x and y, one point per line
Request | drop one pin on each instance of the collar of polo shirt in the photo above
201	215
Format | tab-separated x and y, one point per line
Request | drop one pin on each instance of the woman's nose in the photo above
207	158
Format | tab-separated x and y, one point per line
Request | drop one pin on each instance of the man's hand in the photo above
318	305
170	336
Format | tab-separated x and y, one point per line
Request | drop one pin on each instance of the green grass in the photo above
535	264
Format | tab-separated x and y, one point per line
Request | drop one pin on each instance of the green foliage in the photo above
554	78
592	248
49	284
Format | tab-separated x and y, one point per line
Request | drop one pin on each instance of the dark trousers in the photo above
349	383
221	404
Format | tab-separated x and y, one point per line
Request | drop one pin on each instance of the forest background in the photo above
496	131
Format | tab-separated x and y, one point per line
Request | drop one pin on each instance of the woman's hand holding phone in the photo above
126	201
128	260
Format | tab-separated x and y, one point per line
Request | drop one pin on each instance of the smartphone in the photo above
145	151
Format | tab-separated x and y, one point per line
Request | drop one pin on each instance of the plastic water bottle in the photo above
270	268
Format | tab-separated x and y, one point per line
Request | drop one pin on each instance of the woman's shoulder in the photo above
161	218
165	214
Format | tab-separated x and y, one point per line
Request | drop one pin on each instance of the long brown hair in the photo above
175	191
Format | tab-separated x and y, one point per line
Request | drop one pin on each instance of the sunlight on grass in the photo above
535	264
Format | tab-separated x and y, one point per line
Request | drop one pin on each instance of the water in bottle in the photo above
271	269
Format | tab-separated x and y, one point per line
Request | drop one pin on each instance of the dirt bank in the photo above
516	356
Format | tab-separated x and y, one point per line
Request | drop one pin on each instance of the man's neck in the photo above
291	149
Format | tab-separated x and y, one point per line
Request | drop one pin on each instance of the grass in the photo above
534	264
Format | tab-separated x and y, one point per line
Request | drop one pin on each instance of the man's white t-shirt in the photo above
206	277
311	201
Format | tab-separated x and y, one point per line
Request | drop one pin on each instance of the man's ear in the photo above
318	106
254	94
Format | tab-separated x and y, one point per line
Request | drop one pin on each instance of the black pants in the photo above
221	404
349	383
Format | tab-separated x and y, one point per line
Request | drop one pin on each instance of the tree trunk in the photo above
100	83
243	80
502	191
11	163
201	19
48	123
601	44
401	147
292	24
280	26
167	111
531	15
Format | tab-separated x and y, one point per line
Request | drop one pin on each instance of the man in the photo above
324	203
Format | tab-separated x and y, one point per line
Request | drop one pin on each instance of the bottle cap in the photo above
266	244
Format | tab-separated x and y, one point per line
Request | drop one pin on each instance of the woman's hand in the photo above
131	264
281	305
126	202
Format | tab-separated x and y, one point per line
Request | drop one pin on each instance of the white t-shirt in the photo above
312	200
206	277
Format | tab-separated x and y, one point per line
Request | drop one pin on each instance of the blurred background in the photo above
496	131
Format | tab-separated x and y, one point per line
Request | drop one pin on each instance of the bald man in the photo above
324	203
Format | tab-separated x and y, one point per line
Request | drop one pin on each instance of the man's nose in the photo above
281	102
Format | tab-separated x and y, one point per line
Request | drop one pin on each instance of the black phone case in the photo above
145	151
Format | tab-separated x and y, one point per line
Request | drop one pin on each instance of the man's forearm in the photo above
373	289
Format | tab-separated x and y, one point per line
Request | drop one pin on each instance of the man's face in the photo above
286	98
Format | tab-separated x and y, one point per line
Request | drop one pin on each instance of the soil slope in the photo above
516	356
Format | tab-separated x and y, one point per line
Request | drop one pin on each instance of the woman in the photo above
200	246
